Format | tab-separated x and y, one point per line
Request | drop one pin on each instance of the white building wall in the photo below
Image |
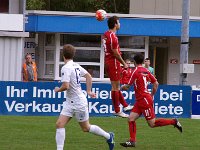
11	46
174	69
173	53
11	51
14	6
194	54
163	7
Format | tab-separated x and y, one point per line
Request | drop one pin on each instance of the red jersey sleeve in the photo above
132	78
152	78
123	76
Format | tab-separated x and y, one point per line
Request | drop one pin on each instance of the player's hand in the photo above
56	89
124	87
125	66
91	94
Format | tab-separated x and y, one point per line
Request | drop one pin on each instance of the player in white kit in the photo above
76	103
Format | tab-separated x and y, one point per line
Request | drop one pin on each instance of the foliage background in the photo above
110	6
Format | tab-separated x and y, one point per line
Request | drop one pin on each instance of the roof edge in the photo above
144	16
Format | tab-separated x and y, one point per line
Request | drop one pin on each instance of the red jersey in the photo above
126	75
110	41
140	79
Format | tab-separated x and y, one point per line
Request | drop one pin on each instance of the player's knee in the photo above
85	129
59	124
151	125
131	118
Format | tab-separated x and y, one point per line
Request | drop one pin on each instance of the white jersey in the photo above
72	72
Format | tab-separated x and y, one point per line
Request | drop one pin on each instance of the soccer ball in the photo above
101	15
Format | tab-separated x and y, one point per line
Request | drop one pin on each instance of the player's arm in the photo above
65	79
130	82
155	87
89	85
118	56
154	83
64	87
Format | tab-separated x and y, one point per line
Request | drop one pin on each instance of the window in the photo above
49	62
84	55
49	54
4	6
49	69
88	52
50	40
81	40
134	42
93	70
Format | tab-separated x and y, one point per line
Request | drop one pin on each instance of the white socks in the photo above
60	138
98	131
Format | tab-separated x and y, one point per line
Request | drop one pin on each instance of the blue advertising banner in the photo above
39	99
196	103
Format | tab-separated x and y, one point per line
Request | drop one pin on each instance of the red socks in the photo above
132	130
122	100
158	123
115	100
164	122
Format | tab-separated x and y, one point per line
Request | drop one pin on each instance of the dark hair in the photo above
138	58
69	51
112	21
28	54
147	58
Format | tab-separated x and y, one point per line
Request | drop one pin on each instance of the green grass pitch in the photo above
38	133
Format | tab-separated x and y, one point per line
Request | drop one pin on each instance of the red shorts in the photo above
113	70
145	106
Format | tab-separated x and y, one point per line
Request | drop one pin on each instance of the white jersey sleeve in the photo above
65	74
82	71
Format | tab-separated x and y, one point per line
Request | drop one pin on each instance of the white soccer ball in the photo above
101	15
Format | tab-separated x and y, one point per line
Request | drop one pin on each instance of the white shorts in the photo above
81	115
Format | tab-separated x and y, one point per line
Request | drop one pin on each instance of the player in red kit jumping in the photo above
112	65
144	101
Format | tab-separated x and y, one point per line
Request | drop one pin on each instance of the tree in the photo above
110	6
35	4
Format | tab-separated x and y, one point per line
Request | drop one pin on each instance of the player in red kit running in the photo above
126	73
144	101
112	65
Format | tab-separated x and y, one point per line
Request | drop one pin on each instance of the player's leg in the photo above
87	127
82	117
118	98
116	87
65	116
164	122
113	72
115	95
60	131
149	114
134	115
